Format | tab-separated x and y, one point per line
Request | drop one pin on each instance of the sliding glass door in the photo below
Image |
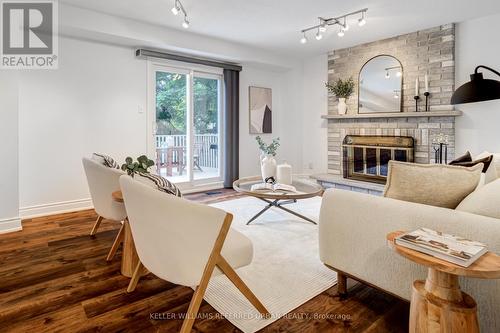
186	127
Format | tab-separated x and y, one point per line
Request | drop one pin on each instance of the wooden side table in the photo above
438	304
130	259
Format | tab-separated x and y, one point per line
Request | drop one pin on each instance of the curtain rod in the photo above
141	53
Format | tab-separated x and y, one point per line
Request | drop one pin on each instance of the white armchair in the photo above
103	181
183	242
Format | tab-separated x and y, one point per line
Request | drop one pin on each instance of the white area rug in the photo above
286	271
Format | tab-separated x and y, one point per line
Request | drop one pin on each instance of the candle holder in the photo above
416	102
426	94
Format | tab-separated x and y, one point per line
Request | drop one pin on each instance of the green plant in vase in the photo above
268	162
142	164
342	89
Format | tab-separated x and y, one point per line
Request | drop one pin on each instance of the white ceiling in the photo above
275	24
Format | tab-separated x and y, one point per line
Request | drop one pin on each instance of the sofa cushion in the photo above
105	160
158	182
483	201
431	184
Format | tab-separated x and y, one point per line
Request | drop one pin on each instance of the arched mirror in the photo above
380	85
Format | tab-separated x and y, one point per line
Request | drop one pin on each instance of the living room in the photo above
312	136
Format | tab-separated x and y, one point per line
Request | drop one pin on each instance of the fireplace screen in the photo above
367	157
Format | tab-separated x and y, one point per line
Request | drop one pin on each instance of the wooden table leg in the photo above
438	305
130	258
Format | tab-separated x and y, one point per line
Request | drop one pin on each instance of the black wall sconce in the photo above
478	89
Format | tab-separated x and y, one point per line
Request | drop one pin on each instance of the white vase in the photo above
342	106
268	167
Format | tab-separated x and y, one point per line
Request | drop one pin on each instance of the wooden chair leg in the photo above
242	287
342	284
135	278
194	306
116	243
96	225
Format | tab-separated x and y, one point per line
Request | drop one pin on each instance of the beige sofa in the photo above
352	238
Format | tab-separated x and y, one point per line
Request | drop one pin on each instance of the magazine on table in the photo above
454	249
277	187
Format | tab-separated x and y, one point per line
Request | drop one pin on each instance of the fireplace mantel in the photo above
394	115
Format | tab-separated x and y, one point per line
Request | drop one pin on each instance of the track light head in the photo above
341	33
362	20
176	8
319	35
185	23
345	27
303	40
322	25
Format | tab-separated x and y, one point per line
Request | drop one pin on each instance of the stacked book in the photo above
454	249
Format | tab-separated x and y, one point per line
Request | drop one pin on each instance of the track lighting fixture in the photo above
341	21
394	68
179	8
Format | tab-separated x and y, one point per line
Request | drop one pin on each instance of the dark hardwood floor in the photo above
54	278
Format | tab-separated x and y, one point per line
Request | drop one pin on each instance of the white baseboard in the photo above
202	187
55	208
10	225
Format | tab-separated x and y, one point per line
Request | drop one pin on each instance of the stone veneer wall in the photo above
431	52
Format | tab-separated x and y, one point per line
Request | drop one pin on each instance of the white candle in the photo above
284	174
426	83
416	86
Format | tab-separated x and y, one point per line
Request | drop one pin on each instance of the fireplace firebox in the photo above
367	157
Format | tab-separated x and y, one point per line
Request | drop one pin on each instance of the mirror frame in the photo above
402	83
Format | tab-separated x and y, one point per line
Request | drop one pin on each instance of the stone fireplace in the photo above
429	52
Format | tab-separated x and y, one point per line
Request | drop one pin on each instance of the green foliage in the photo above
142	165
171	103
341	88
269	149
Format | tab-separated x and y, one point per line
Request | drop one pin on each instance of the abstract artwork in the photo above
261	114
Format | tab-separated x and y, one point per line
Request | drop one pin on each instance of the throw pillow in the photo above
484	201
162	184
485	160
493	171
105	160
464	158
431	184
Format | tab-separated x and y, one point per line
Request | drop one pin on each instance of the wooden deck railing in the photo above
206	147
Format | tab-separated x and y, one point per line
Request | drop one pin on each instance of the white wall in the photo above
90	104
315	103
286	117
477	44
9	188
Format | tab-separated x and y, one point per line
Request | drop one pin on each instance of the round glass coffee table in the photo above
306	188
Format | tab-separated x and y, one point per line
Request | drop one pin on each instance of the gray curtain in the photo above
231	126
